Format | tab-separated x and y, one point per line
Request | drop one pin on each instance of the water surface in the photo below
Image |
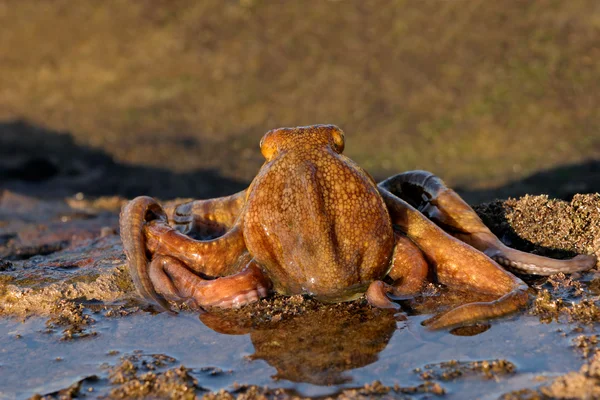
33	361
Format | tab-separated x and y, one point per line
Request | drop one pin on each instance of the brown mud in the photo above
62	265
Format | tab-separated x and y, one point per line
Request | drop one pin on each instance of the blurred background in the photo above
170	98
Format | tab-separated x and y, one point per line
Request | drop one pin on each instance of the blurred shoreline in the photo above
485	95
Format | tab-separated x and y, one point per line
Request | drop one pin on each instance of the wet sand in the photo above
72	324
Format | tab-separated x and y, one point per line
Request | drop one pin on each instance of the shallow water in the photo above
32	361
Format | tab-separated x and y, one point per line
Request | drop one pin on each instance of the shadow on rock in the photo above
41	162
561	182
45	163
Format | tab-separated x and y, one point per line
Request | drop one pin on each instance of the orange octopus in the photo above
313	222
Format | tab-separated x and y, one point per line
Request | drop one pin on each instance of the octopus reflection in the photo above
315	346
318	344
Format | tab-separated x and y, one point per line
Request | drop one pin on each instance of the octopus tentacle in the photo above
133	217
146	235
244	287
459	266
208	218
472	312
214	257
526	263
377	295
446	208
409	269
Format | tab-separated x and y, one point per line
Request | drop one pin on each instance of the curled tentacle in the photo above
377	295
181	217
473	312
527	263
133	217
172	278
415	187
429	194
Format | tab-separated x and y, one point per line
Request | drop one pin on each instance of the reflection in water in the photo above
317	346
470	330
295	344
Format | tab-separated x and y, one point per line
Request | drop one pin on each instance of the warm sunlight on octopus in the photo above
313	222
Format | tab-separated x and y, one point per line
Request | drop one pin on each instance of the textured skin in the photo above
313	222
328	232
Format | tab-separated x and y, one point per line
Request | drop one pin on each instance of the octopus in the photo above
313	222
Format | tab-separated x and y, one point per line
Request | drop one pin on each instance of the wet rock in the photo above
454	369
136	376
587	344
373	390
74	391
377	390
562	298
139	376
545	226
72	319
584	384
56	253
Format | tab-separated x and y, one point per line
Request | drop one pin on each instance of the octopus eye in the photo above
268	148
338	140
